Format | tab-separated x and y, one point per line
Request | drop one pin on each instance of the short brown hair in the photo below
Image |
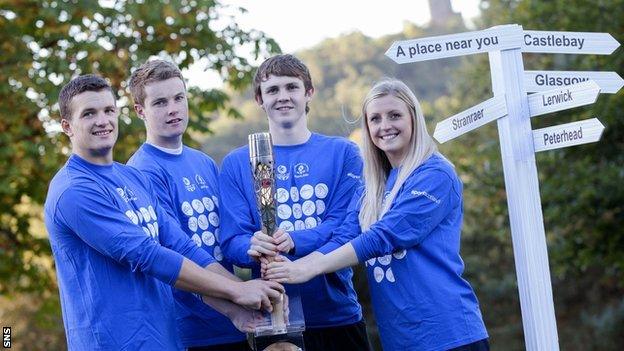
149	72
282	65
78	85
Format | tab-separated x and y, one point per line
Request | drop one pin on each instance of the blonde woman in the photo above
405	223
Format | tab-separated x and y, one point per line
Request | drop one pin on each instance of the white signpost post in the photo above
512	109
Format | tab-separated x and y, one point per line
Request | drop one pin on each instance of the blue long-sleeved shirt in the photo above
186	185
114	249
315	182
420	299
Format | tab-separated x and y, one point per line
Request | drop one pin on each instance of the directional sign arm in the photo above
470	119
496	38
563	98
568	42
569	134
536	81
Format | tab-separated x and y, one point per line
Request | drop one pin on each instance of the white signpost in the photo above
512	109
535	81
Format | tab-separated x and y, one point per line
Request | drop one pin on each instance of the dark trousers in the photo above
481	345
350	337
237	346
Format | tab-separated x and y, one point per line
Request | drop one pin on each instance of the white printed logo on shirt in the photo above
284	211
385	260
432	198
286	226
151	229
308	208
187	184
321	190
306	191
146	219
299	225
192	225
202	222
217	254
145	213
151	211
294	194
302	170
282	172
187	209
133	217
310	222
126	194
296	210
197	205
197	240
320	207
282	195
213	218
384	269
201	181
295	215
208	204
208	238
202	214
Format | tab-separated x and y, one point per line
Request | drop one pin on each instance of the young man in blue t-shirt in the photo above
316	176
116	248
185	181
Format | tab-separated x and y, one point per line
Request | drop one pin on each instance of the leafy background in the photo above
45	43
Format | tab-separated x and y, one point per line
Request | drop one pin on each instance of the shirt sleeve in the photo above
425	200
308	240
237	220
350	227
104	227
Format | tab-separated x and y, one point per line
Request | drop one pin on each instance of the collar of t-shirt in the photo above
176	151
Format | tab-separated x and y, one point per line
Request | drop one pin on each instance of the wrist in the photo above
230	310
232	290
318	265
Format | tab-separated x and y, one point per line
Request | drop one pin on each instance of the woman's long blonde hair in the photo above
376	163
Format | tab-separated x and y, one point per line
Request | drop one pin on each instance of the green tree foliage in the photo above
44	44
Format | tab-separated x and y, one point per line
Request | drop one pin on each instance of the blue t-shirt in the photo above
114	248
186	185
420	299
314	184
